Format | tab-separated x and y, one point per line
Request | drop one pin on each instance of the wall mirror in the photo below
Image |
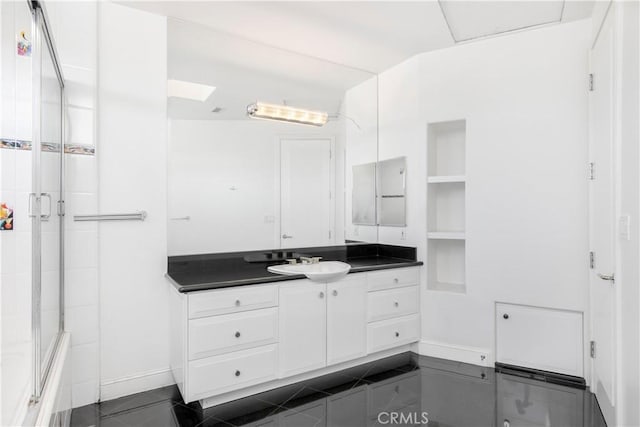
239	183
379	193
364	194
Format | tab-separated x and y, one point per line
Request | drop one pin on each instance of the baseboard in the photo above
472	355
144	381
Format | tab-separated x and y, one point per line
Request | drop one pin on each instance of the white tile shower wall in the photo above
132	135
526	120
15	245
74	27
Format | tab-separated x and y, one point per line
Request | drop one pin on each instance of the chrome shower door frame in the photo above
42	38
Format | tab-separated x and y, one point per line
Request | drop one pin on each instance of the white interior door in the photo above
306	194
602	287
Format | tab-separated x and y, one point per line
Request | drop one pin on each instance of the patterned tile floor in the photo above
402	390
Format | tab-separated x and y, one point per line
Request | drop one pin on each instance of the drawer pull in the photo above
397	334
321	295
237	303
335	293
396	304
237	373
395	280
237	334
505	316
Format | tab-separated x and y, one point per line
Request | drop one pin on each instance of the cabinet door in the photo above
303	332
347	319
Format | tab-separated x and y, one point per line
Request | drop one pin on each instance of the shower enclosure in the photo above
46	202
32	186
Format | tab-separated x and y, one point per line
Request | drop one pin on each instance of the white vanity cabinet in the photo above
347	319
393	307
231	342
303	327
322	324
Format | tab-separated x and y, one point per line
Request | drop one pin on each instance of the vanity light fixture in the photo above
189	90
260	110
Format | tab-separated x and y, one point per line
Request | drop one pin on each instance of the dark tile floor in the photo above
402	390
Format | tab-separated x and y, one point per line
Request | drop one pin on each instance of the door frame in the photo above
277	176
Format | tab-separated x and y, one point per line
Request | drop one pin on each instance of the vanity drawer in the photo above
231	300
393	303
209	336
392	333
232	371
393	278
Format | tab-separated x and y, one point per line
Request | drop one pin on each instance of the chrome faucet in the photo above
310	259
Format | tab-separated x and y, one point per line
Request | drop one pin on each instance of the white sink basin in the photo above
324	271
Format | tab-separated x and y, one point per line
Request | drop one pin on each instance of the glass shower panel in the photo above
15	243
51	153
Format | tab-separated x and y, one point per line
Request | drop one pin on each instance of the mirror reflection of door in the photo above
306	196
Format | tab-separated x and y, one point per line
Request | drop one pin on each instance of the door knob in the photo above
321	294
238	334
609	277
505	316
286	236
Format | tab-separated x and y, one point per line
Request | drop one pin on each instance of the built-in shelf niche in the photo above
445	202
446	195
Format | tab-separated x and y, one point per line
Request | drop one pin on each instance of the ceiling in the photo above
307	53
367	35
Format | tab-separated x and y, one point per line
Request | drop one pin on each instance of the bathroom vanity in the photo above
235	337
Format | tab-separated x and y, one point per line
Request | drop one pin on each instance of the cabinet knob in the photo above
237	302
397	334
237	373
395	280
321	294
237	334
505	316
396	304
335	293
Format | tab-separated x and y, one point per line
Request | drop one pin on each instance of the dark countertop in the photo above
215	271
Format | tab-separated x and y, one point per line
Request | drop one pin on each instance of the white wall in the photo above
525	101
209	157
629	283
132	135
74	29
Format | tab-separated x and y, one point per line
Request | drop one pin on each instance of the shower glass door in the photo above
47	200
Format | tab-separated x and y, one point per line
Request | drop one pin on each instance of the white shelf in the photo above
446	235
446	199
456	288
441	179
